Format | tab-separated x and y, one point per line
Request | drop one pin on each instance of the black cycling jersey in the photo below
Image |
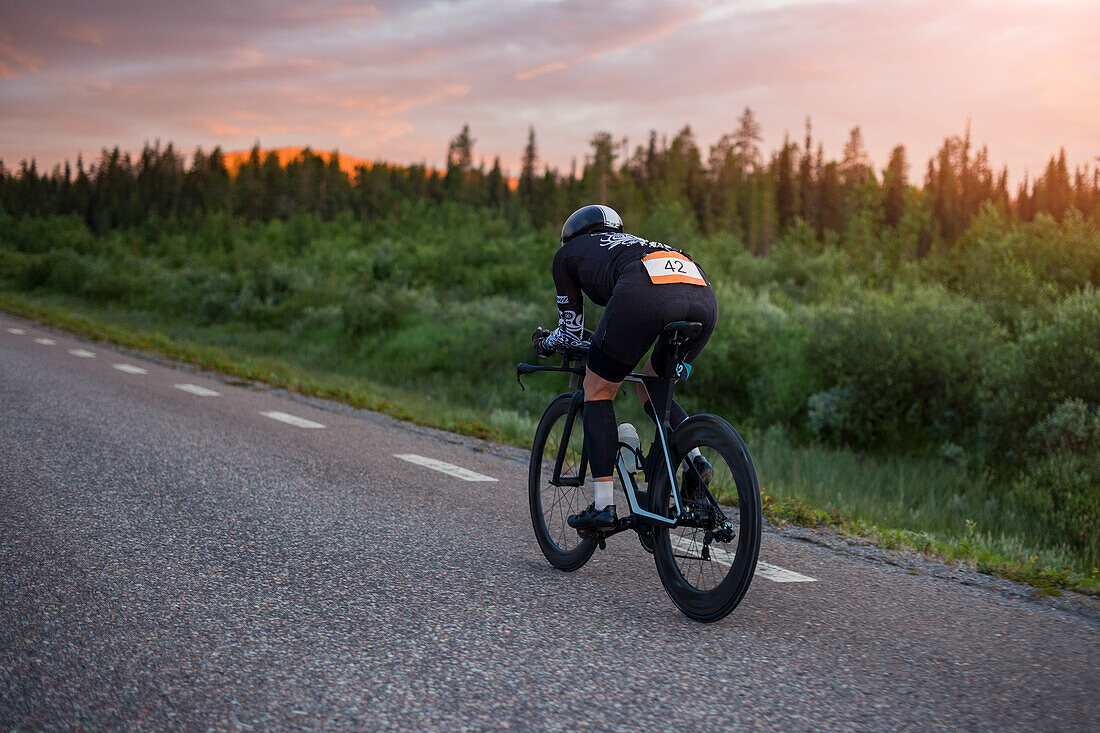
592	264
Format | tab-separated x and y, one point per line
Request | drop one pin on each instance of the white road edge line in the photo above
197	390
448	468
765	570
82	353
16	331
298	422
130	369
45	342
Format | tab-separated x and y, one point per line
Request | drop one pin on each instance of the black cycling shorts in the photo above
636	315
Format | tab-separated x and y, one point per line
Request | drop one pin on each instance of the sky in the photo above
395	81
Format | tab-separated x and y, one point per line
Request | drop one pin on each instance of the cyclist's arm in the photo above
570	330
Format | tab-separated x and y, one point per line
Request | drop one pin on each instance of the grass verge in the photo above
888	495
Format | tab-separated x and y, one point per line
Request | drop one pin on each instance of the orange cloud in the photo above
540	70
387	106
13	61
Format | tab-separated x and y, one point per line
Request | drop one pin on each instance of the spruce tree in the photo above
528	177
895	187
785	204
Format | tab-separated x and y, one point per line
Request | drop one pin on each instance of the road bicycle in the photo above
703	530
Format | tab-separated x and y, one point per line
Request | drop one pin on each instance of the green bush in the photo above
200	295
462	342
905	369
1057	359
469	252
1017	267
371	307
1071	426
62	270
42	234
274	294
1061	493
109	282
1060	488
753	366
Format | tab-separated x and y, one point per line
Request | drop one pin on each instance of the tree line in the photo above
734	188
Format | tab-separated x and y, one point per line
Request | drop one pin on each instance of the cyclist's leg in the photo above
600	444
599	424
621	339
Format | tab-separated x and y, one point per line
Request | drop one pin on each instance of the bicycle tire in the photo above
707	584
551	505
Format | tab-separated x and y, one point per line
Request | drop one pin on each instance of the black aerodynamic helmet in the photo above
592	218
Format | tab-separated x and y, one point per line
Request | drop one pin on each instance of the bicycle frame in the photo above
642	517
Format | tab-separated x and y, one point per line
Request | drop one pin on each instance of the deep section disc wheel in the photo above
706	562
552	504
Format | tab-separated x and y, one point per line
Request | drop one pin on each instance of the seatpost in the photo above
670	375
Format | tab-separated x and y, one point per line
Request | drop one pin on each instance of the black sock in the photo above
601	436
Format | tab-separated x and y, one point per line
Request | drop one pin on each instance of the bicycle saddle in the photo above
683	329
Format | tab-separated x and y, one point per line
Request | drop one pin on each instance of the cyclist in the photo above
644	286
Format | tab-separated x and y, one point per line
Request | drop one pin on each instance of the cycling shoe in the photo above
694	488
592	519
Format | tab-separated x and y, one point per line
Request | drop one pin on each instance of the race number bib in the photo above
672	267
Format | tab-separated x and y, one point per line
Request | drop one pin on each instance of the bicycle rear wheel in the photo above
551	505
707	561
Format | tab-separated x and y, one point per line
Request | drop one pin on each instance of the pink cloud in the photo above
14	62
398	79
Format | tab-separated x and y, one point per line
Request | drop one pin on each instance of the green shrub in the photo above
1061	493
371	307
42	234
63	270
753	366
1056	359
108	282
1071	426
200	295
906	369
273	295
1016	267
37	270
462	342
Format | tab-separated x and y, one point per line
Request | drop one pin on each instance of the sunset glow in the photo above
396	80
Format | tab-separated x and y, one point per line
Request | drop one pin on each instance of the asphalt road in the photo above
179	560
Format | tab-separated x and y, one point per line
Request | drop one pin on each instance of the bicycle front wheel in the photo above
706	562
552	501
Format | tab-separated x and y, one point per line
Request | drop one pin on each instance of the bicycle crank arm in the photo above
622	524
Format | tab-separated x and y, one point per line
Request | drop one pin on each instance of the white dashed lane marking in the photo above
82	353
298	422
765	570
45	342
130	369
448	468
197	390
777	574
16	331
